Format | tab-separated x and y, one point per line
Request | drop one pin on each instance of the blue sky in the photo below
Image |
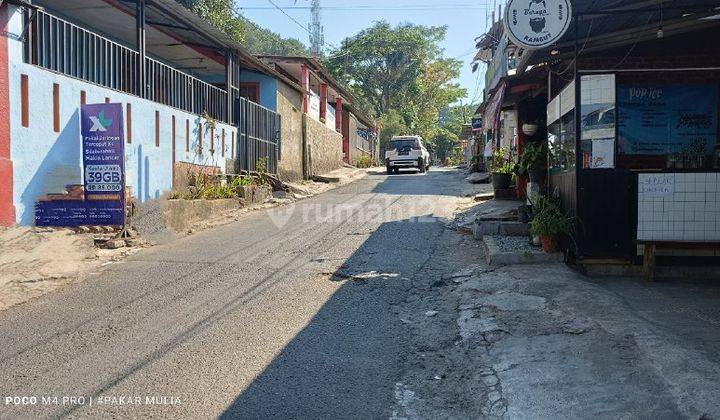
464	23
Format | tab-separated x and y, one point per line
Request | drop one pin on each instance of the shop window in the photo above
597	121
668	127
250	91
562	143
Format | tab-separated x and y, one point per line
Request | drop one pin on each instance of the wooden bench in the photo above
651	248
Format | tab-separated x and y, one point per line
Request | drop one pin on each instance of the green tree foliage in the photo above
452	120
258	40
392	123
220	13
398	74
261	41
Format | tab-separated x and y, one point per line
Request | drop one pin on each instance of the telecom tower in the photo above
317	37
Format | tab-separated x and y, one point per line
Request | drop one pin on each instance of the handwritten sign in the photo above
656	185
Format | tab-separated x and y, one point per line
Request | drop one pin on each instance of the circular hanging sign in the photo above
535	24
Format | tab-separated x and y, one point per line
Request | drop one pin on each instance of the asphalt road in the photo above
257	319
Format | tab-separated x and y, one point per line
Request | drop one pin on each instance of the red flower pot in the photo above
550	244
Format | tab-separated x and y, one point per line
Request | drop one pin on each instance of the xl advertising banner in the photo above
103	150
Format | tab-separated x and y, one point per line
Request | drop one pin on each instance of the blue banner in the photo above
477	124
103	199
663	120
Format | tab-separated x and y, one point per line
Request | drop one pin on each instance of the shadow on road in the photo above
346	361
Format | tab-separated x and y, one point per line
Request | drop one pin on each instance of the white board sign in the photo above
679	207
536	24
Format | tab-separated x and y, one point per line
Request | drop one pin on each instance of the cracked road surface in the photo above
290	313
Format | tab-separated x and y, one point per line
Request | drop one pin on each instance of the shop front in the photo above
635	159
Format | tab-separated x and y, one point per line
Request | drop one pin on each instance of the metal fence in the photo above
172	87
258	138
61	46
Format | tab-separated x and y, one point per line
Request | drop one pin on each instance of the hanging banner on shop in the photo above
102	202
536	24
491	118
665	120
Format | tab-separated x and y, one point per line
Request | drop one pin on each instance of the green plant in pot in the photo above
549	223
533	161
502	169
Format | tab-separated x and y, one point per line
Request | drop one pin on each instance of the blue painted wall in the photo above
268	87
45	161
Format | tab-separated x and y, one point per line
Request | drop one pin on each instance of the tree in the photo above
392	124
450	128
220	13
261	41
257	40
398	75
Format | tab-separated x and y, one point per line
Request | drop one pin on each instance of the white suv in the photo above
406	152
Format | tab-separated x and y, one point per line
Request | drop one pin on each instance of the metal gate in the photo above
258	136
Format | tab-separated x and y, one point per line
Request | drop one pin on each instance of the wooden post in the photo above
305	76
229	66
338	114
323	101
649	263
140	79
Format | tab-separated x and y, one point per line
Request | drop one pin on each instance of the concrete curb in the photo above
482	229
661	272
495	256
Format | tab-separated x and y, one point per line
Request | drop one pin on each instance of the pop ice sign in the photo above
536	24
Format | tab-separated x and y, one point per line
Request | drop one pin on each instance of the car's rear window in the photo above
401	144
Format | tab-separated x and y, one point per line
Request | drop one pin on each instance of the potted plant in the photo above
549	223
502	169
533	162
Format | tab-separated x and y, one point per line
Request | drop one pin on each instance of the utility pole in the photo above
317	37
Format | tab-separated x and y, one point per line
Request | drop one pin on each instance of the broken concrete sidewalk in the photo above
533	340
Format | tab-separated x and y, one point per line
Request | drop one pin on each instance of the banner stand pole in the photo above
126	231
